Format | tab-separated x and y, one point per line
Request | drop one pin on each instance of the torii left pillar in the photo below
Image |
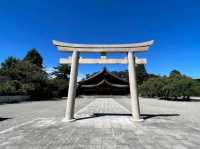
69	115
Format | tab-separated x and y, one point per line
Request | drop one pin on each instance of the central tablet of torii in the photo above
130	49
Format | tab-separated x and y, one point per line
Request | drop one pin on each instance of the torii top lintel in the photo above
116	48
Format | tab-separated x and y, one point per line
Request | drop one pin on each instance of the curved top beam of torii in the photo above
134	47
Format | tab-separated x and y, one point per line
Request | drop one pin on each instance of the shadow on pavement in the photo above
181	100
144	116
4	118
148	116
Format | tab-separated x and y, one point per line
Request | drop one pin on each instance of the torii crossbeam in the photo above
131	60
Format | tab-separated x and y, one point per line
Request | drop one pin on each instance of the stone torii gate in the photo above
131	60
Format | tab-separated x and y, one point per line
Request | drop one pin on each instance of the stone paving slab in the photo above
12	115
103	124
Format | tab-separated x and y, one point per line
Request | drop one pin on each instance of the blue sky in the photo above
173	24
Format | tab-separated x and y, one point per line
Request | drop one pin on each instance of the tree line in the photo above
176	86
27	76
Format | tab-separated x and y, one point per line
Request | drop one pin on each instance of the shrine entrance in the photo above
75	60
103	83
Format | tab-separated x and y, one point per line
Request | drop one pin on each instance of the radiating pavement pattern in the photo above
102	124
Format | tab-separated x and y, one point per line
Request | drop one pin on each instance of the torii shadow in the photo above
4	118
144	116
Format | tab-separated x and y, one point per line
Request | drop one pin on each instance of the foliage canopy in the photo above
34	57
175	86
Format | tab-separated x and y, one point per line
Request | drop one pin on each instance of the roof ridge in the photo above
104	69
107	82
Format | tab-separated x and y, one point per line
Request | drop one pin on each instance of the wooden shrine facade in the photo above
103	83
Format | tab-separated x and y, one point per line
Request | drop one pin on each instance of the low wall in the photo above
11	99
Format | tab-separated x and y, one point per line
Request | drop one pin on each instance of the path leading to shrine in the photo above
102	123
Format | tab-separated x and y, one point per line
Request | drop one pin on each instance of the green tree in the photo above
141	74
175	75
185	87
172	85
196	88
34	57
25	72
32	79
176	86
9	63
151	88
57	88
11	87
62	71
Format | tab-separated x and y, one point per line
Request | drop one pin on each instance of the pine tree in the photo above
34	57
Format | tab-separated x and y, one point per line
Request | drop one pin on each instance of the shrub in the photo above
152	87
176	86
11	88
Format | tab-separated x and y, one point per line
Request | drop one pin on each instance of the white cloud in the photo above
49	69
80	76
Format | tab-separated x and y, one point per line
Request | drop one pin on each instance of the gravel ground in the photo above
15	114
187	111
19	113
104	123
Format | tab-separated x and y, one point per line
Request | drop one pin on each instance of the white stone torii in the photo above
131	60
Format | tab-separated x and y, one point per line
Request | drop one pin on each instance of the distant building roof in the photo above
103	83
103	75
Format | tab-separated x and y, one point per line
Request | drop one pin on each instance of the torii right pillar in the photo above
135	107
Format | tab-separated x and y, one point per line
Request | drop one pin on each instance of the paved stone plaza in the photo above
102	123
